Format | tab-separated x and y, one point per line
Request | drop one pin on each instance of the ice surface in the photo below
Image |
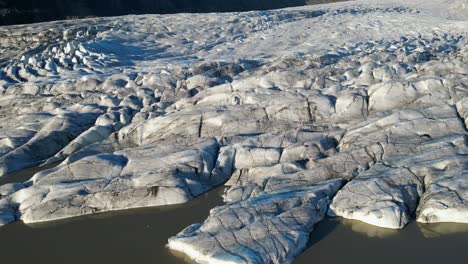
355	109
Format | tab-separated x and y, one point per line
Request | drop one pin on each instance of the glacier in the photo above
354	109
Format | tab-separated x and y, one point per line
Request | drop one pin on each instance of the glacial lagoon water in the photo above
139	236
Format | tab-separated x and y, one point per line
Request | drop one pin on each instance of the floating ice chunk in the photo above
272	228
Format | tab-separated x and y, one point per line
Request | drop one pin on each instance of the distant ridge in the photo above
25	11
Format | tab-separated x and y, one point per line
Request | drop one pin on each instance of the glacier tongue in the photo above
272	228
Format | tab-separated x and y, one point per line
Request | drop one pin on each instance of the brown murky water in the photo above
346	241
24	175
134	236
139	236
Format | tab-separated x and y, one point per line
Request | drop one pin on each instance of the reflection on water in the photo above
184	259
368	230
442	229
350	241
427	230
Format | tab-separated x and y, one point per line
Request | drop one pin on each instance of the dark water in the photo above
24	175
345	241
139	236
132	237
30	11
